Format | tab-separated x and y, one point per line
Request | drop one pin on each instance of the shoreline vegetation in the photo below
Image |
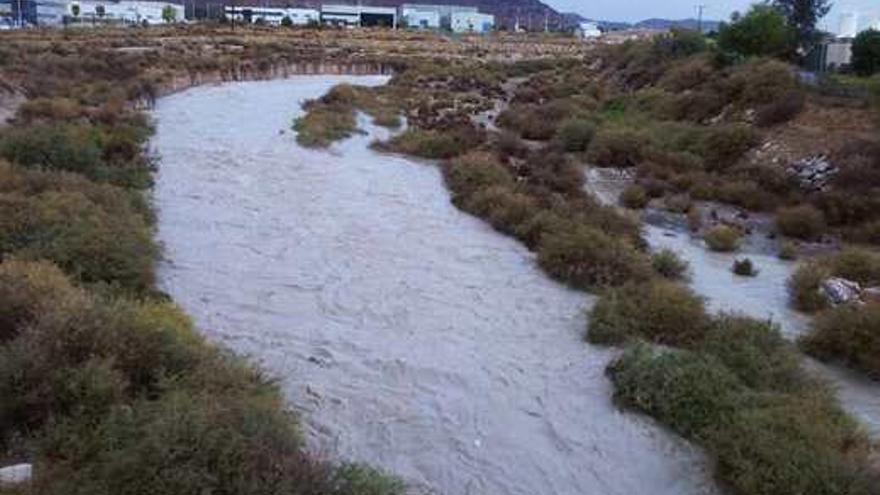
110	387
693	128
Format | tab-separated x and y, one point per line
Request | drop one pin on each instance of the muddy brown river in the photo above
408	334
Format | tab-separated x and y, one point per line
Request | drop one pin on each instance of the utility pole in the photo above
700	9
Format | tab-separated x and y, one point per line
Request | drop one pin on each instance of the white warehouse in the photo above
124	11
274	16
472	22
359	16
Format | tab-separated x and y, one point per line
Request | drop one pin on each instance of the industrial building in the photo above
472	22
274	16
358	16
588	30
122	11
60	12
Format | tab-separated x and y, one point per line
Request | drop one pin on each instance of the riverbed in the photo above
408	335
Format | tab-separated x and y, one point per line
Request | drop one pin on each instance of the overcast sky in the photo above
636	10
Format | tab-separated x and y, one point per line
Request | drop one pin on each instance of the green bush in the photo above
669	265
724	145
661	312
472	172
634	197
848	334
435	144
575	135
617	147
723	238
792	446
757	353
506	210
857	264
588	258
804	287
689	392
322	126
763	31
866	53
92	241
803	222
744	268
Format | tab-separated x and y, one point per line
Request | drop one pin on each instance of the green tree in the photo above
169	15
802	17
763	31
74	9
100	10
286	21
866	53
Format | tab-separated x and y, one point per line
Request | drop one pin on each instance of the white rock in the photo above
15	474
841	291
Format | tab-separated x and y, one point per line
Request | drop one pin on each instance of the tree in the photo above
100	10
74	9
169	15
763	31
802	17
286	21
866	53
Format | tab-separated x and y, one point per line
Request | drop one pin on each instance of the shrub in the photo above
322	126
661	312
723	239
56	146
575	135
866	53
788	251
505	209
634	197
848	334
670	265
803	287
689	392
95	242
757	353
763	31
617	147
792	446
803	222
860	265
724	144
780	111
435	144
472	172
744	268
587	258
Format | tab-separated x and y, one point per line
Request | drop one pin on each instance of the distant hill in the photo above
680	24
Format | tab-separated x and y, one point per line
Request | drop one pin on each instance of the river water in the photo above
409	335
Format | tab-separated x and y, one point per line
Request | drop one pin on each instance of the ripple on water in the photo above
410	335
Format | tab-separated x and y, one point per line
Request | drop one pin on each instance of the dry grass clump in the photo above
439	144
802	222
669	265
723	239
587	258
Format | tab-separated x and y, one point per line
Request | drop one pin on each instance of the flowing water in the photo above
410	335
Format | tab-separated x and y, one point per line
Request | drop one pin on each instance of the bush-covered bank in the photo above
739	392
848	334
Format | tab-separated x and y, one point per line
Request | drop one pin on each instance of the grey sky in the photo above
635	10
